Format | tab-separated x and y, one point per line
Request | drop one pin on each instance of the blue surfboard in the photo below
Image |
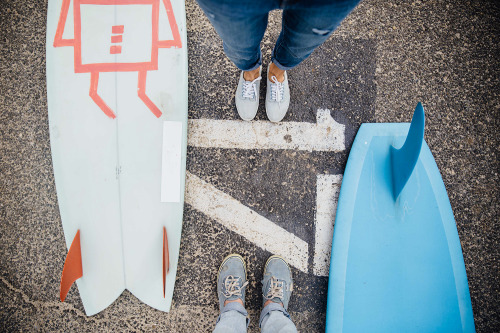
397	263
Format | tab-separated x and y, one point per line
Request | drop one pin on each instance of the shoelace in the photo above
232	286
249	89
275	289
277	89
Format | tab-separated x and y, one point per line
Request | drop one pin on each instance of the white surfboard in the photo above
117	96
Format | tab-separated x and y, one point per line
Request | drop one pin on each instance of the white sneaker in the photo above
277	98
247	97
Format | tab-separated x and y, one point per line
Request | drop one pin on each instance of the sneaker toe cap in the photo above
276	113
246	111
233	266
279	269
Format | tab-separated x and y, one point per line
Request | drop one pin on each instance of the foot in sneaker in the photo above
247	97
277	284
277	97
231	280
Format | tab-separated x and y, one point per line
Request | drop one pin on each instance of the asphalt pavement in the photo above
384	58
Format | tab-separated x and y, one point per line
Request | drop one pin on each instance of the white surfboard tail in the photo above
96	302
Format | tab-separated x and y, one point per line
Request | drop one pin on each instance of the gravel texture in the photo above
385	57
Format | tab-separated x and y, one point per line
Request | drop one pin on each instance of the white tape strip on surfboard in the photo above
171	162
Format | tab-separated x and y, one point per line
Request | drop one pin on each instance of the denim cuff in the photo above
272	307
235	306
280	66
257	65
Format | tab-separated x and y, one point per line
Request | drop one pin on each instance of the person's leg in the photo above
275	319
277	286
241	25
231	283
233	319
304	28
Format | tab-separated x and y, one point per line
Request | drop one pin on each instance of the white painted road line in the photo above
244	221
325	135
327	194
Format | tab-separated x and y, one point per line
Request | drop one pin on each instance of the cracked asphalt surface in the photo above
384	58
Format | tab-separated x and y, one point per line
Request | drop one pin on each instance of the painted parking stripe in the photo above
244	221
325	135
327	194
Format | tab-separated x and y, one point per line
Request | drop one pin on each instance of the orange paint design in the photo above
166	259
95	68
116	39
141	91
94	81
117	29
176	42
115	49
58	40
72	270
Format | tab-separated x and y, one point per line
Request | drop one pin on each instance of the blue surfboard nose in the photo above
396	264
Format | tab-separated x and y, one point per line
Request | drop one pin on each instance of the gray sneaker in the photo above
231	279
277	98
277	284
247	97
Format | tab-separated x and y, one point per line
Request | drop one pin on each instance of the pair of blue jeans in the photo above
273	319
306	25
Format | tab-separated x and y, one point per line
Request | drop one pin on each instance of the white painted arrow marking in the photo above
244	221
325	135
327	195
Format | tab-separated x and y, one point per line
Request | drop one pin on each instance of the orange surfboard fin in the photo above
72	270
166	259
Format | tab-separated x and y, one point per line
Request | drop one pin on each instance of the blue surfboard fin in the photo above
404	159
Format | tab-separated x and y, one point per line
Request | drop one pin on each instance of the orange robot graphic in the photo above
116	36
